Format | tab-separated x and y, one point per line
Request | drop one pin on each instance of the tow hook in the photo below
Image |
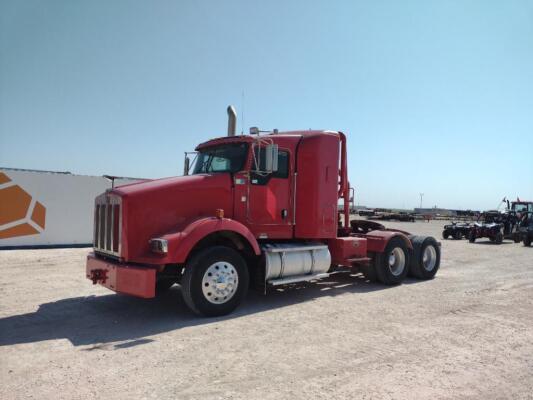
98	275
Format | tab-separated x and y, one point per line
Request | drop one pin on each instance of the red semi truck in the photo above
258	209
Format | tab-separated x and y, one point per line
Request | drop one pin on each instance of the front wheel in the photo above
215	281
472	237
445	234
392	265
498	238
527	240
458	235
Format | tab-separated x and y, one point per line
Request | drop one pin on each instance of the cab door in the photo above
269	211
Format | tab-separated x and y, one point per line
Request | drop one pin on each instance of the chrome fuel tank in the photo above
295	259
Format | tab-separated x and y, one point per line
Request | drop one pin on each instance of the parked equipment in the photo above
518	219
391	216
456	230
259	209
367	213
526	228
489	225
493	231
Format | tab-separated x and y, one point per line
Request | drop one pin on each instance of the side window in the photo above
283	167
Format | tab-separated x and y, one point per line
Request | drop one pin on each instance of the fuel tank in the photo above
287	260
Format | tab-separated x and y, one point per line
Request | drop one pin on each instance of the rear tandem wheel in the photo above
392	265
426	257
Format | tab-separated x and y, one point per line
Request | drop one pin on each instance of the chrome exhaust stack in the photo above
232	121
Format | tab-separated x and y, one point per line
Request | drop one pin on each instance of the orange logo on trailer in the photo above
20	215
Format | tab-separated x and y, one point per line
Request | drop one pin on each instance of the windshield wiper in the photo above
208	163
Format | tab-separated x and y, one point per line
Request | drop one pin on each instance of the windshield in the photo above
225	158
519	207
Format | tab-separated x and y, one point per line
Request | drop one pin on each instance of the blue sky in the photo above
435	96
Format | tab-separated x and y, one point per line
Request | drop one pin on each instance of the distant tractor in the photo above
525	229
518	225
456	230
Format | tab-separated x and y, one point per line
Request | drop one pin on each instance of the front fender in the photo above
377	240
181	243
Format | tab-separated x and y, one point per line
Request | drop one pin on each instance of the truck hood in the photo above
153	208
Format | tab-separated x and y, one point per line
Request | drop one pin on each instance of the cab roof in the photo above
251	138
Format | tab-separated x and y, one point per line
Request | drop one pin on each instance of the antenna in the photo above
242	113
501	202
421	196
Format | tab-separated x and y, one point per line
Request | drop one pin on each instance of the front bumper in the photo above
121	278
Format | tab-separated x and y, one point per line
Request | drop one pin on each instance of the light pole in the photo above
421	196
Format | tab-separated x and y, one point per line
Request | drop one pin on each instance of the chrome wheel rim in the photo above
429	258
396	261
220	282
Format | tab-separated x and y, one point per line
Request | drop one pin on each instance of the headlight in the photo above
159	246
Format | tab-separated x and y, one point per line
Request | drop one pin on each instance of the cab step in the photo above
298	278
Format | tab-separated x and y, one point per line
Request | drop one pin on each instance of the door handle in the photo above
284	213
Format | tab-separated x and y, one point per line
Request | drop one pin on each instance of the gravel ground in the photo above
466	334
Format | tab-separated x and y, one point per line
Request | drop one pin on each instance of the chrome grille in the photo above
107	223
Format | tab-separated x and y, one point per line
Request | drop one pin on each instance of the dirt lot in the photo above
466	334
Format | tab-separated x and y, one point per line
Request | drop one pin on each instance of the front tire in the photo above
472	237
457	235
527	240
392	265
215	281
445	234
498	239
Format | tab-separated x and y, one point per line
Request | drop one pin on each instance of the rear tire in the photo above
472	237
392	265
445	234
498	239
426	257
215	281
527	240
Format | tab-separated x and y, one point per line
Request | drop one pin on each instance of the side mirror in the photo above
186	165
271	158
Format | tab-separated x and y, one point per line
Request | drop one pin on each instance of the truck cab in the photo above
250	210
